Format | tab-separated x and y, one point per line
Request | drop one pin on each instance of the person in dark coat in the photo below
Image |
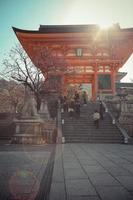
65	104
101	110
71	108
76	96
96	118
77	109
84	96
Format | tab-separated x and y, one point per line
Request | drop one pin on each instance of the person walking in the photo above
76	96
101	110
65	104
96	118
71	108
84	96
77	109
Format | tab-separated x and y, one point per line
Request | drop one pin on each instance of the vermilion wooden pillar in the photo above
93	90
113	75
95	84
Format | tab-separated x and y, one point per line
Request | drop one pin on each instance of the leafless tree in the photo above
16	95
11	96
19	67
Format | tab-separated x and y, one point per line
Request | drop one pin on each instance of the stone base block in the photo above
27	139
28	131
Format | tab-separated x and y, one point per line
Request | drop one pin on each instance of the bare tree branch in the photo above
19	67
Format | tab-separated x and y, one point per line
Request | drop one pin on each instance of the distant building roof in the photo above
124	85
120	75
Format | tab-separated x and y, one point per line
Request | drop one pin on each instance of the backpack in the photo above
96	116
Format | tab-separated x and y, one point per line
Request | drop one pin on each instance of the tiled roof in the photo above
84	28
68	28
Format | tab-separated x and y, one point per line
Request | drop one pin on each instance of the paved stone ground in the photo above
21	170
81	171
93	172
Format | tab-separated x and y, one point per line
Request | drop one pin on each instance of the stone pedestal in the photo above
29	126
28	131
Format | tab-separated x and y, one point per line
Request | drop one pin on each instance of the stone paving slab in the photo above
83	198
103	180
75	174
71	165
58	173
88	162
118	171
126	181
114	193
128	167
80	187
57	191
96	169
93	172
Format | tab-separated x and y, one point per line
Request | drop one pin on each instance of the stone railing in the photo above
115	121
59	127
124	112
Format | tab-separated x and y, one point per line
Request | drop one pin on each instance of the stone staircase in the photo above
82	130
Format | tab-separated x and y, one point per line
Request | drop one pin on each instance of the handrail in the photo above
59	127
122	130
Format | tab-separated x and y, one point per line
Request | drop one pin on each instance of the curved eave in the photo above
49	34
17	30
44	29
32	33
59	29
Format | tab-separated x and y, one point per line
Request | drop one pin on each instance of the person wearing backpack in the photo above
96	118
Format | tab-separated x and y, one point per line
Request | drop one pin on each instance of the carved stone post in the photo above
30	106
44	112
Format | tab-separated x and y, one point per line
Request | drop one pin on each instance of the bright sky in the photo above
29	14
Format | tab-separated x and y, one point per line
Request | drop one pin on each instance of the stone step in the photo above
85	119
83	129
94	141
91	135
94	138
90	127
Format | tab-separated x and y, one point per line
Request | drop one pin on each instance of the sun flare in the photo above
105	25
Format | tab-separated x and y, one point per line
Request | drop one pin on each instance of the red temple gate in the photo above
93	55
